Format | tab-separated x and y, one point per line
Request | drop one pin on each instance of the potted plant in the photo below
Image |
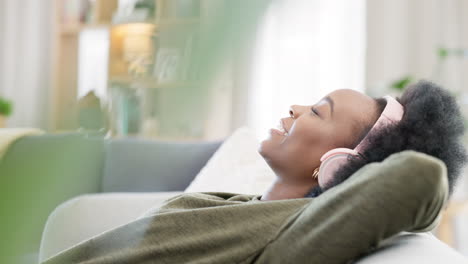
6	108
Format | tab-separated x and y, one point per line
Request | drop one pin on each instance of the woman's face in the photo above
338	120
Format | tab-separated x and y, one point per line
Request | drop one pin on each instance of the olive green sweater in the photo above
406	192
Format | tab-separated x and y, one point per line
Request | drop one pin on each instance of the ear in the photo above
331	162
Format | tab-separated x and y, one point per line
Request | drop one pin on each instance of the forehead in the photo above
353	105
348	94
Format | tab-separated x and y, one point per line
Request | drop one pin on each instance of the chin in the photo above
263	148
270	145
267	149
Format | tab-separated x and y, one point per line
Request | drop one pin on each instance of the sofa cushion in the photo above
236	167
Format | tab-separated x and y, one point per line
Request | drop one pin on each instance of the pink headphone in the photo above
335	158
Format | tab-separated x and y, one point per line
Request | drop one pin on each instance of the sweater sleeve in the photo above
406	192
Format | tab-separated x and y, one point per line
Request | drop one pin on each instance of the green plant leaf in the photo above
401	84
442	52
6	107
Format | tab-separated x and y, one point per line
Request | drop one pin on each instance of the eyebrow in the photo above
330	101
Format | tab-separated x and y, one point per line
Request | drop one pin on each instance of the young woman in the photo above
430	122
414	148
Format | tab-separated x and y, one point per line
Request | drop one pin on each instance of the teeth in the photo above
281	128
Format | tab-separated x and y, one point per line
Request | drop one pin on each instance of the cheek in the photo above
315	134
308	143
302	149
344	135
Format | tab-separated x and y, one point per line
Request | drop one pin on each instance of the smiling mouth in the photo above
281	129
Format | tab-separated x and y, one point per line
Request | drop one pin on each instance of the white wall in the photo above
403	37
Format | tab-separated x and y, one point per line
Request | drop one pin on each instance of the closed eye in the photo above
314	111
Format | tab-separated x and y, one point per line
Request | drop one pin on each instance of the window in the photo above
305	49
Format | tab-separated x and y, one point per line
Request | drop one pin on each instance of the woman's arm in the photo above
406	192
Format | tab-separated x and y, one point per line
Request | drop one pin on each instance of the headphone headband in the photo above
392	113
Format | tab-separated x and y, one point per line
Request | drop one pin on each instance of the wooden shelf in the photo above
178	22
152	82
73	29
66	34
186	139
68	29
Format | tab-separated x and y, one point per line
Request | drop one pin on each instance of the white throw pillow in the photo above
236	167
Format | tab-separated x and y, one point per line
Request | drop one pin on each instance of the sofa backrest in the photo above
76	164
136	165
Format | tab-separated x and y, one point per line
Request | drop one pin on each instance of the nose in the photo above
295	111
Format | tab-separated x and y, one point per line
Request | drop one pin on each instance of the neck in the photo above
281	190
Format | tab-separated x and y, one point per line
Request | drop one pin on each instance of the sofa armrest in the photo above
413	248
86	216
37	174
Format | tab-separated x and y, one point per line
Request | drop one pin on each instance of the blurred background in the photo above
198	69
136	62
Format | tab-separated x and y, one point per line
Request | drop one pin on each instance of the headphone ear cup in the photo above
331	162
329	167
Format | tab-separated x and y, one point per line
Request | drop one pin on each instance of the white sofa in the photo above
131	176
91	215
